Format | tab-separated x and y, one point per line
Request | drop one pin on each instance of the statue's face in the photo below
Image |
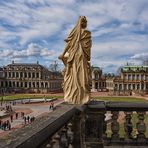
84	24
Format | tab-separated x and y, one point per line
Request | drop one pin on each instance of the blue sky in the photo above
34	30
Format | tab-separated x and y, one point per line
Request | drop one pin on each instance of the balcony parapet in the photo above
39	133
83	126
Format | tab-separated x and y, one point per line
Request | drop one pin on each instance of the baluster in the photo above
141	127
70	134
56	141
104	127
115	126
63	139
77	130
128	127
50	144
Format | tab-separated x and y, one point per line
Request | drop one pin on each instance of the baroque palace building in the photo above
98	82
30	78
132	79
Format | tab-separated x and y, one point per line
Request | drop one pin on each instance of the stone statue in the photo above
76	58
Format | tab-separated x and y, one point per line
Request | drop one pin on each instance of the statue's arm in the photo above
65	50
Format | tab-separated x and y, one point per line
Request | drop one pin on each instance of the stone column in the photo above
93	85
94	124
139	76
131	86
140	86
141	127
115	127
78	130
131	76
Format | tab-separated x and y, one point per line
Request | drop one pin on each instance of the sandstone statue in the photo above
76	59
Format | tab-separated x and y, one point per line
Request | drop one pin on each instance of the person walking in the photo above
25	119
16	115
11	118
28	119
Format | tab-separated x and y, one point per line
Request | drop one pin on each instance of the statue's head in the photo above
83	22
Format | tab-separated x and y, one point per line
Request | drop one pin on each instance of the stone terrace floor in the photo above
35	109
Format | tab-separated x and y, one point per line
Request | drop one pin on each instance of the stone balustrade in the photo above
86	126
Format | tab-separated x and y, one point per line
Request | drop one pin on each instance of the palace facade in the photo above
132	79
98	80
30	78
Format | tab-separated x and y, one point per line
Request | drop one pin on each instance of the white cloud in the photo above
33	50
119	28
140	56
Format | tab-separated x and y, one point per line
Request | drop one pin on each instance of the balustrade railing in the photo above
93	125
127	124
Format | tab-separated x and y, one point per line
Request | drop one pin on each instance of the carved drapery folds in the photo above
76	59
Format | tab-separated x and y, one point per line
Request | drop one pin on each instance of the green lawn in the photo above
121	99
31	96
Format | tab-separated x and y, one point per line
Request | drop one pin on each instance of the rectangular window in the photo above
137	77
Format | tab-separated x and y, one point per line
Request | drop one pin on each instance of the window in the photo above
2	84
29	75
21	84
129	86
142	86
10	84
29	84
5	74
25	84
133	86
13	84
21	74
37	75
25	75
129	77
141	77
17	84
33	75
137	77
9	74
133	77
17	75
138	86
125	86
13	74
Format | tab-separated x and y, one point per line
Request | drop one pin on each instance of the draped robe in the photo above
76	59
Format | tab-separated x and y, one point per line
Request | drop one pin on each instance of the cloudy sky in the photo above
32	30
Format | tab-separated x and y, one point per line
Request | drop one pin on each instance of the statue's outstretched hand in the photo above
60	57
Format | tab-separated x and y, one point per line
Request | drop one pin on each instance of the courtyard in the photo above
39	106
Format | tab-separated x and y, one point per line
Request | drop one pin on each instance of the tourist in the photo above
32	119
2	101
4	125
28	119
9	125
25	119
11	118
52	105
16	115
22	114
0	123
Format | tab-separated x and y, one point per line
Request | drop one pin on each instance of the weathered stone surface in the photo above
76	59
33	135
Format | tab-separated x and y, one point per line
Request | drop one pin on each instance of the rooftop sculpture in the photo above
76	59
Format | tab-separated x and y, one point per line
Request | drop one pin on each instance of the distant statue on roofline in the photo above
76	58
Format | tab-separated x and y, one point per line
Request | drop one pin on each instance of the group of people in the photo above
16	116
28	119
4	125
